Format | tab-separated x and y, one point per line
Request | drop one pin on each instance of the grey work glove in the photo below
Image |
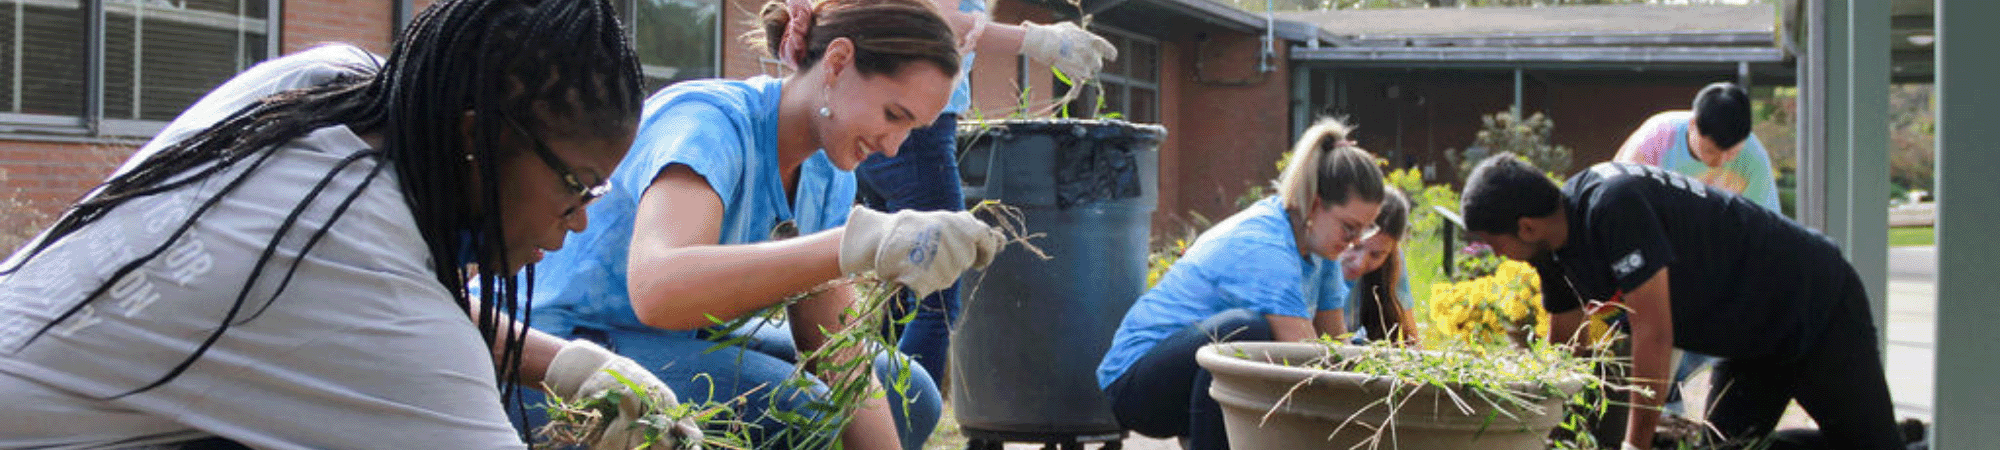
583	368
923	250
1079	54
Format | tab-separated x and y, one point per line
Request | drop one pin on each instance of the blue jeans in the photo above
1165	393
1690	362
762	363
923	176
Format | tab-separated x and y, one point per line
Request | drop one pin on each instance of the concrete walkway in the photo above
1911	355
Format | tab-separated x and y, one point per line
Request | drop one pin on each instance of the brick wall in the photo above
366	23
740	59
1227	122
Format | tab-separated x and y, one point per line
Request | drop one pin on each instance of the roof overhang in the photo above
1622	38
1145	16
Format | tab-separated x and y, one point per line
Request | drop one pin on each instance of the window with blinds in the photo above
1129	87
42	67
157	57
676	39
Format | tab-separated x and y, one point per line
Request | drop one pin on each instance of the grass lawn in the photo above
1912	236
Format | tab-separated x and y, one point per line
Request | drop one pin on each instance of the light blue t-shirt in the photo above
1353	300
1250	260
961	95
726	131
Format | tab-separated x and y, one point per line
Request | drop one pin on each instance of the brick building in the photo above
84	81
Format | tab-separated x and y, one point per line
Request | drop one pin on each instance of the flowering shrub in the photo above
1474	261
1161	259
1497	308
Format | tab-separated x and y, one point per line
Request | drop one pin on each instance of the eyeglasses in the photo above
585	194
1357	234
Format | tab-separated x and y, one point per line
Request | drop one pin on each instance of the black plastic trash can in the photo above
1024	354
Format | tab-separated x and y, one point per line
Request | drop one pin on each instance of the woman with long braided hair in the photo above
739	194
285	265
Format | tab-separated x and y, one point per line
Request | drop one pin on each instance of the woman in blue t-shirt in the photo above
1246	279
698	224
1378	286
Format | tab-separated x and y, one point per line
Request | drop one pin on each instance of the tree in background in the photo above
1912	137
1505	132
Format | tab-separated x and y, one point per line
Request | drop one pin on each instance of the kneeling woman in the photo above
1243	280
693	226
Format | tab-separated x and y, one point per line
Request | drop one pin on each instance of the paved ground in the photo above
1909	356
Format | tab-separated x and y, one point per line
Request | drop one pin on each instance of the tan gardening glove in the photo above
1068	48
582	368
923	250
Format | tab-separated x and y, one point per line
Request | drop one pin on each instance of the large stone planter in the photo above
1315	403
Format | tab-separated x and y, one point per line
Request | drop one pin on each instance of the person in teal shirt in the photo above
1711	143
1245	279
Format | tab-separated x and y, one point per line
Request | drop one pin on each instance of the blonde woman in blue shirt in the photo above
1245	279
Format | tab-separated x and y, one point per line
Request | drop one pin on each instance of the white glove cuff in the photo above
573	365
861	239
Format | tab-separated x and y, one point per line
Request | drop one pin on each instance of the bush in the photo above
1505	132
22	220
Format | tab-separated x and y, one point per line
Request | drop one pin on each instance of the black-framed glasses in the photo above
585	194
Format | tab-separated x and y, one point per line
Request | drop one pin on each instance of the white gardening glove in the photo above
923	250
582	368
1077	53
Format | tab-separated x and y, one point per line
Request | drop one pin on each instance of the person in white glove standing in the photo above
694	227
311	291
924	173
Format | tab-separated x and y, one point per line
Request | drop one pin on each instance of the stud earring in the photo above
823	112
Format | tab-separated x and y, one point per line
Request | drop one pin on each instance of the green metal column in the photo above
1302	106
1835	108
1968	99
1865	137
1820	80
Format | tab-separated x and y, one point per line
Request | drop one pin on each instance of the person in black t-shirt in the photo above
1704	270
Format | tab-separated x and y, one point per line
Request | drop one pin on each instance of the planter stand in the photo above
1025	350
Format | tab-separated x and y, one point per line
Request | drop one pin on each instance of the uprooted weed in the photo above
844	362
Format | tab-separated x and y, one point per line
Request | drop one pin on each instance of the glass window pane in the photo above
179	62
218	6
120	50
1145	106
160	58
1145	60
50	77
676	39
